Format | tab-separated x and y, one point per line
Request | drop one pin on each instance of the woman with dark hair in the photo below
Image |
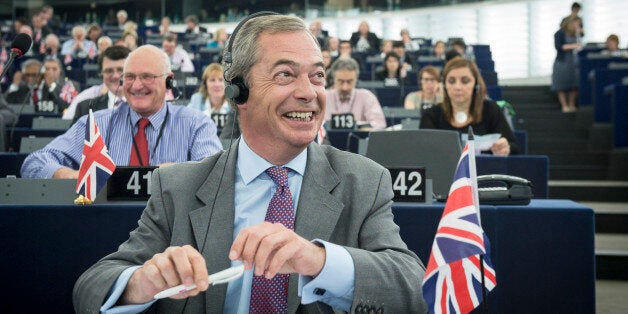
430	92
565	71
210	97
392	73
464	104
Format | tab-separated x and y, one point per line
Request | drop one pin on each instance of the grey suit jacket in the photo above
346	199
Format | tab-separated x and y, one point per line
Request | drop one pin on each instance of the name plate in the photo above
130	184
408	184
220	119
343	121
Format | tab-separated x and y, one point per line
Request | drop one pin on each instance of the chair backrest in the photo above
48	123
436	150
22	108
31	143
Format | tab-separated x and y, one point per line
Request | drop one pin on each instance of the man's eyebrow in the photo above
291	63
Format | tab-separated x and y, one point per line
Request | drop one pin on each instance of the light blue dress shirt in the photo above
187	135
253	192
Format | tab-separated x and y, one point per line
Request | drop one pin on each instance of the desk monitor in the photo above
436	150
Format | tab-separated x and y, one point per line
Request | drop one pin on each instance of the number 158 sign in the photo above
408	184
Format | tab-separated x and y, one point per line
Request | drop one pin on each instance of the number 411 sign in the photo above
408	184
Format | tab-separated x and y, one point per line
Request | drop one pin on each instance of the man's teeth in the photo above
303	116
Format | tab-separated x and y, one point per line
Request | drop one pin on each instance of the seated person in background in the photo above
464	104
79	46
111	64
325	241
407	61
192	26
333	45
612	47
210	97
220	39
174	133
103	43
24	82
51	42
363	40
344	52
54	93
179	58
346	98
439	49
164	27
461	48
129	39
387	47
392	72
430	92
409	43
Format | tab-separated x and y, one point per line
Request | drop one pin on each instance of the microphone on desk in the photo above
20	45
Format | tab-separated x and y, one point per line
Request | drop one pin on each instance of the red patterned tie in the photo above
140	145
271	296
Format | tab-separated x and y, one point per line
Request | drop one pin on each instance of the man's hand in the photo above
175	266
501	147
65	173
274	249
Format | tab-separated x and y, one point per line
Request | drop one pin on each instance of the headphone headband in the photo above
235	88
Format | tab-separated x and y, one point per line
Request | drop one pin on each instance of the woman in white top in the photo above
431	92
210	97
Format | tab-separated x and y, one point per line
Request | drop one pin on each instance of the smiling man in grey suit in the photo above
333	244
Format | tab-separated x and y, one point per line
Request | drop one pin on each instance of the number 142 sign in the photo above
408	184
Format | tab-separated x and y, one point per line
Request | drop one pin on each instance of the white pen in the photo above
222	276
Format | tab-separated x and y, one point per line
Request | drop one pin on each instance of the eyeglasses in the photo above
110	71
145	78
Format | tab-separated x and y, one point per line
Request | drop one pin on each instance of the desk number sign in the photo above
220	119
130	184
342	121
408	184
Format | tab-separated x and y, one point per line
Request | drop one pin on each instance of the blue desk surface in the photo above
543	253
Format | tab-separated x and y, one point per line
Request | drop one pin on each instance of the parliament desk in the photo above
542	253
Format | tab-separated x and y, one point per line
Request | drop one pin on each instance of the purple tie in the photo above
271	296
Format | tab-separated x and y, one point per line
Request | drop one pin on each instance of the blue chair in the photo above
619	104
600	79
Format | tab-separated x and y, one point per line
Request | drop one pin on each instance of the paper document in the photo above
483	142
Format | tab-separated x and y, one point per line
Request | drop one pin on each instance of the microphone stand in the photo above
12	57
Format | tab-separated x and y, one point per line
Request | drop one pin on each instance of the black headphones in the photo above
170	81
235	88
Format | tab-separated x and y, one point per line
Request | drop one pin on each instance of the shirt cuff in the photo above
334	285
115	293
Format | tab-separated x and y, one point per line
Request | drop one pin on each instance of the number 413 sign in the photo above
408	184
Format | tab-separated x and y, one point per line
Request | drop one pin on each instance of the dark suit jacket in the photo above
370	37
346	199
50	101
97	103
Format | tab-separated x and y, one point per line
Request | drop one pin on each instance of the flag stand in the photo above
484	294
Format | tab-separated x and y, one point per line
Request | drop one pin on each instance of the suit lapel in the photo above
318	210
212	224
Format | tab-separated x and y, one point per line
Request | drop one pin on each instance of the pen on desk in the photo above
223	276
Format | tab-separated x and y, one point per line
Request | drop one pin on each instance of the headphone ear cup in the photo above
477	88
237	91
121	81
170	82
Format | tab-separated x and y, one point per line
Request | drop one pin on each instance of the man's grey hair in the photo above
347	64
245	50
30	62
165	59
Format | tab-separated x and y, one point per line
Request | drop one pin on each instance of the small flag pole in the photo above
476	202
